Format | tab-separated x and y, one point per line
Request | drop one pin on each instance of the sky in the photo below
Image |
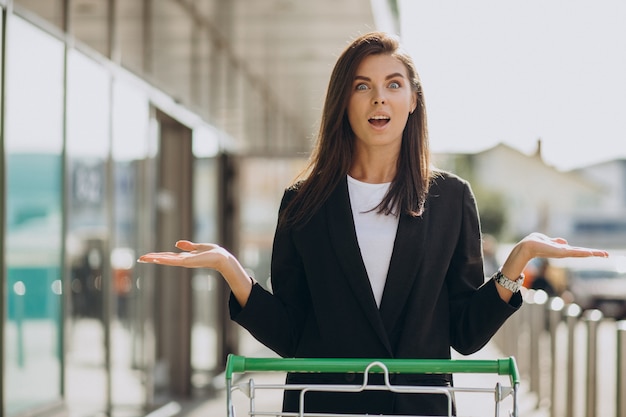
514	72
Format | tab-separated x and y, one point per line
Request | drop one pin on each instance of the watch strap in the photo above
508	283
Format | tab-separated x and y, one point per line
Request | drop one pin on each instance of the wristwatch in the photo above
508	283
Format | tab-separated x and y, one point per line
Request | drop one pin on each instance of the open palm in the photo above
194	255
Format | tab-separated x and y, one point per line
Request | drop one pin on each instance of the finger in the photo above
150	261
185	245
155	256
560	240
587	252
195	247
598	253
145	260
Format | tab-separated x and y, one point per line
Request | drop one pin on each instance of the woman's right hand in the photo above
207	255
194	255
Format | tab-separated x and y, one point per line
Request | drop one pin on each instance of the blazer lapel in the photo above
407	256
344	240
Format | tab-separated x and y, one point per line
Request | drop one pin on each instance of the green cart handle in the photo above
505	366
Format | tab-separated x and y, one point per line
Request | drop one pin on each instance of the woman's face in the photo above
380	102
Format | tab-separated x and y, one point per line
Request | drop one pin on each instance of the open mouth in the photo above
379	121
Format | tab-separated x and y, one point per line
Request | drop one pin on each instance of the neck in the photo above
373	173
374	164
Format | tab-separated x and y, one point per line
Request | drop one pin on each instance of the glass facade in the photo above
81	201
130	155
33	223
88	232
204	332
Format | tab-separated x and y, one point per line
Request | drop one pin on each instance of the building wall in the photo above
612	174
536	196
608	225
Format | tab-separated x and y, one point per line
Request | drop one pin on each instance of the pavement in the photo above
468	404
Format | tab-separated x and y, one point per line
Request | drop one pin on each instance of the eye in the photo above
394	84
360	87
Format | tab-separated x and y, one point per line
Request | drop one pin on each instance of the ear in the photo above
413	103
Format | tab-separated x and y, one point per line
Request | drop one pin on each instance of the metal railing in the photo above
573	361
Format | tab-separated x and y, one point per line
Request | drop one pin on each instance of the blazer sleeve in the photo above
476	309
276	318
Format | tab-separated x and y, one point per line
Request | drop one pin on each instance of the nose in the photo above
378	97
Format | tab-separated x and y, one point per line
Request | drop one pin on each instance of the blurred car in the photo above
597	283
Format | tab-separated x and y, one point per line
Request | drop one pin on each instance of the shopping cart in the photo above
241	365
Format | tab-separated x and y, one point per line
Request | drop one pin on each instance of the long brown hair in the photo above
332	156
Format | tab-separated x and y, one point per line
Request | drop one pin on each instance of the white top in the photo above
375	232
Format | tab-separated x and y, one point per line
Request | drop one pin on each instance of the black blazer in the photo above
435	296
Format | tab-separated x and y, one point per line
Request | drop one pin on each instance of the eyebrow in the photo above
388	77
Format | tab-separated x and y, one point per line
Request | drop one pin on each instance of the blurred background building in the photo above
127	125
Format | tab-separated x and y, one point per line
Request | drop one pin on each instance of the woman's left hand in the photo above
538	245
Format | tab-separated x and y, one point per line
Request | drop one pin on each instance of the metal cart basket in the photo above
241	365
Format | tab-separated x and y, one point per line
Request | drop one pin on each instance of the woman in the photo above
376	254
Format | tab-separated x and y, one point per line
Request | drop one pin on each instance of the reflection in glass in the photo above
204	338
33	143
130	152
87	233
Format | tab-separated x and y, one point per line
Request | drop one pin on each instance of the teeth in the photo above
379	118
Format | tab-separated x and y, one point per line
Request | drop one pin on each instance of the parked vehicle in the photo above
597	284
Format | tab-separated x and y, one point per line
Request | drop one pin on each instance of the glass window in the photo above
131	117
33	143
87	149
205	335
